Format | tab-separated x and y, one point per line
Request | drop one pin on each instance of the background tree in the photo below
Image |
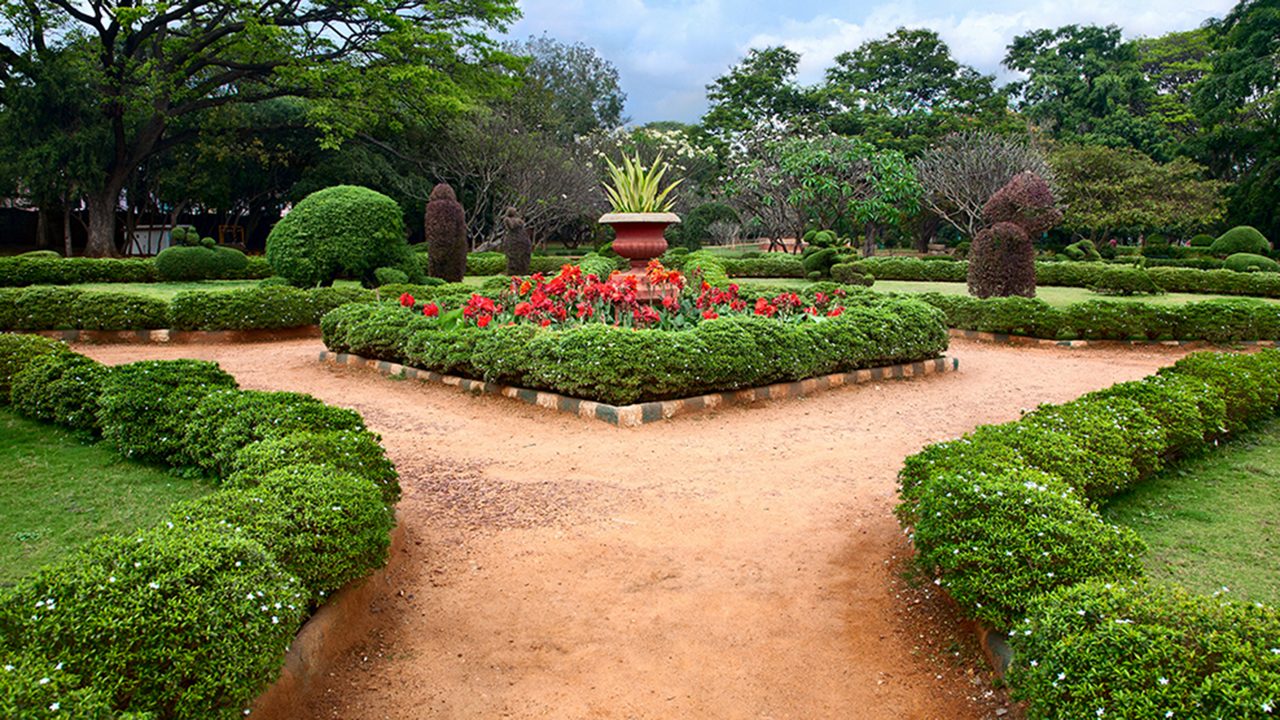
905	90
152	65
1085	84
1174	64
580	88
761	88
756	186
963	171
1106	189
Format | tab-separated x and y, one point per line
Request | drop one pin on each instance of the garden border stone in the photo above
336	627
643	413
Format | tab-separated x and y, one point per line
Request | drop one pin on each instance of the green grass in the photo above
57	493
1056	296
1214	521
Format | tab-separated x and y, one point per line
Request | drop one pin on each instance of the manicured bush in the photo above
179	263
704	266
1142	650
28	269
891	268
1241	239
1248	385
341	230
1082	250
1125	281
1201	241
1247	262
848	274
445	227
17	352
1002	263
181	622
772	265
346	451
388	276
33	687
144	406
324	527
260	307
61	387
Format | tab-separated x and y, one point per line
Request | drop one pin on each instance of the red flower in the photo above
764	308
669	302
406	300
546	322
483	321
709	315
811	310
835	312
585	310
523	309
431	309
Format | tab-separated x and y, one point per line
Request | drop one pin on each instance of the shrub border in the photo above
1007	339
639	414
176	337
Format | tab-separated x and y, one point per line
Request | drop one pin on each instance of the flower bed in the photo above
1005	519
190	619
577	335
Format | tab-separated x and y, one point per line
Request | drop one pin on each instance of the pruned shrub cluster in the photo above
33	269
191	619
1005	519
1002	258
182	263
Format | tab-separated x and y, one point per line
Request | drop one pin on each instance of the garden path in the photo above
743	563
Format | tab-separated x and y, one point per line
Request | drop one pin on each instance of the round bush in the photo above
327	528
145	406
389	276
342	230
1125	281
353	452
17	351
1248	262
183	263
1242	239
61	388
1201	241
183	622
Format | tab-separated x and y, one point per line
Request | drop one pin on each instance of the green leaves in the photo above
637	189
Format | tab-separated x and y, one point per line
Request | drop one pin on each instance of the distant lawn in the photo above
166	291
1056	296
57	493
1214	521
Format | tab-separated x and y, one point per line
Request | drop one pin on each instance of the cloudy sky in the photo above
667	51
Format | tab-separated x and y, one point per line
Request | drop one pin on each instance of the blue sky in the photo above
667	52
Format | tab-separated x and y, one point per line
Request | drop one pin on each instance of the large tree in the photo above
761	88
151	66
1085	84
1174	64
905	90
580	88
1109	189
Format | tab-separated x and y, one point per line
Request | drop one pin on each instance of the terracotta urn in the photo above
639	235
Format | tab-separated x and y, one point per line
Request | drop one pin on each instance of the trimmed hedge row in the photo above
1085	274
1005	518
495	263
621	366
190	619
771	265
1216	321
24	270
266	307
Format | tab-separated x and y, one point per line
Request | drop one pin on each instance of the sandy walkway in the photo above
738	564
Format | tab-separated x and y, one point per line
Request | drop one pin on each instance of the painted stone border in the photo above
1045	342
339	625
642	413
179	337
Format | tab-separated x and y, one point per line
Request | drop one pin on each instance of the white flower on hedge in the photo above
1062	676
1266	706
44	681
153	585
54	707
1169	714
1163	681
1101	712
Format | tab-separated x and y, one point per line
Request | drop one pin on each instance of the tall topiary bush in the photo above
517	245
342	230
1241	239
445	226
1002	259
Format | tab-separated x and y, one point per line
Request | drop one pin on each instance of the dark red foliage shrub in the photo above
445	226
1002	262
1027	201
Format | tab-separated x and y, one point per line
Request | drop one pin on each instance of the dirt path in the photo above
735	564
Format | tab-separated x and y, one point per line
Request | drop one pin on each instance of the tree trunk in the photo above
66	228
102	223
869	244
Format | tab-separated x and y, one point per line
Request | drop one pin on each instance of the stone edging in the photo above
642	413
1045	342
337	626
179	337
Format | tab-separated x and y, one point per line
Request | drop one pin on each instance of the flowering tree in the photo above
753	182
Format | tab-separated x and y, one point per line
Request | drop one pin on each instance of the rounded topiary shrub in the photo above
1242	239
182	622
1248	262
60	387
354	452
182	263
342	230
1201	241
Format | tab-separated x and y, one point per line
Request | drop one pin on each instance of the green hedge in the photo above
769	265
1005	518
24	270
182	263
1216	321
495	263
621	366
190	620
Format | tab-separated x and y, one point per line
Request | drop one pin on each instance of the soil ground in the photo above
743	563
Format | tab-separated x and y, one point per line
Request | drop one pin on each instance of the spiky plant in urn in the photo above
641	209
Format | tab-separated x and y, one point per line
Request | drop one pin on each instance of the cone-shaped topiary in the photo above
341	230
1002	258
445	226
517	244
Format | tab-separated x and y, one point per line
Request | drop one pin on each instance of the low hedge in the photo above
769	265
1215	321
182	263
1005	518
16	352
191	619
29	269
621	366
495	263
62	388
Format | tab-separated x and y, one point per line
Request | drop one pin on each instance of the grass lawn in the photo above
1214	521
57	493
1056	296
